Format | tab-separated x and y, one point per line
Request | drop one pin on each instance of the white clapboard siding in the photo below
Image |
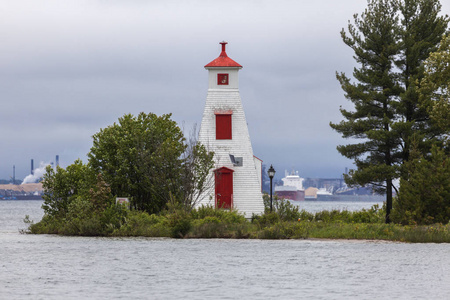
247	197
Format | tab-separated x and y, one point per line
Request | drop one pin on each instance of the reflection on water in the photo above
54	267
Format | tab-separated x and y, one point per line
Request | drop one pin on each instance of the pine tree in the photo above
420	31
424	196
373	40
391	41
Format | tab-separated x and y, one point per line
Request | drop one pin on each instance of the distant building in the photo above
30	191
330	184
311	193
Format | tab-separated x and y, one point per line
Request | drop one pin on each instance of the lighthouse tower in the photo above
236	177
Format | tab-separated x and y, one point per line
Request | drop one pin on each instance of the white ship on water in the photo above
292	187
342	194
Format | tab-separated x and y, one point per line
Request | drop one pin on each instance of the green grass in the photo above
207	222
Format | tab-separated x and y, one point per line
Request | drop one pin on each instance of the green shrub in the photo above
284	230
179	222
283	207
209	222
286	210
424	195
227	216
375	214
305	216
208	227
266	219
85	227
372	215
48	225
81	219
180	227
138	223
113	217
331	216
84	218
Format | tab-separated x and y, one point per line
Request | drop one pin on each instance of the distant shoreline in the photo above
22	198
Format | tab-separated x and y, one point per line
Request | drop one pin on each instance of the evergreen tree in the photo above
424	196
374	42
391	41
420	31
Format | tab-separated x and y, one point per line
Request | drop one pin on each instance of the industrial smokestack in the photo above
32	166
14	174
57	160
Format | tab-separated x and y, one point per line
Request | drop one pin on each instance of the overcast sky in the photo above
69	68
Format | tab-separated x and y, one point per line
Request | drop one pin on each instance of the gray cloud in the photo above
69	68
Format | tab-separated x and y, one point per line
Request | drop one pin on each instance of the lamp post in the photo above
271	173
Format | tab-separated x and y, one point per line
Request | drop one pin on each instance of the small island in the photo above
179	187
162	188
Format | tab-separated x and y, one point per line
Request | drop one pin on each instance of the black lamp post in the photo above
271	173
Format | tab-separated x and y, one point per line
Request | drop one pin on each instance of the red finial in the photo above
223	60
223	53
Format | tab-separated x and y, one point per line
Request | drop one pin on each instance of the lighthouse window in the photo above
222	79
223	127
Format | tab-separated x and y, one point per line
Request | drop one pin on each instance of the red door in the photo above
224	188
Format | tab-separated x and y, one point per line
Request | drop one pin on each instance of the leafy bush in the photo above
375	214
286	210
179	222
80	219
372	215
332	216
113	217
48	225
267	219
282	207
209	222
226	216
208	227
284	230
305	216
138	223
63	185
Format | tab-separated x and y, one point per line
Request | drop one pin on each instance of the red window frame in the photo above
222	79
224	126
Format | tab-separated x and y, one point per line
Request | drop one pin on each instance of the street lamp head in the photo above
271	172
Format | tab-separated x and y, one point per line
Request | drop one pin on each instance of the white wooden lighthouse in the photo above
236	178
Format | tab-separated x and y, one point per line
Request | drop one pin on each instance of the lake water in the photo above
55	267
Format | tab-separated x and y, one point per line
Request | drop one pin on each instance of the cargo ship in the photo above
292	187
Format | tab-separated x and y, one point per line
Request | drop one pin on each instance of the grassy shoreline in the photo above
211	223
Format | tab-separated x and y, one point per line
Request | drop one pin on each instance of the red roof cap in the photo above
223	61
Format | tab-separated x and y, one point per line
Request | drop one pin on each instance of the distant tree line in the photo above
400	94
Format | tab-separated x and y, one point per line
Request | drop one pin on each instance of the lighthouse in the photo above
235	180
